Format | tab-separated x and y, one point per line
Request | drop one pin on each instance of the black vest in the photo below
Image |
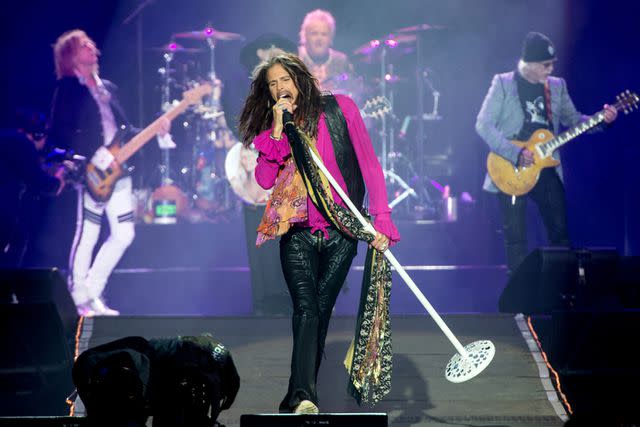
343	149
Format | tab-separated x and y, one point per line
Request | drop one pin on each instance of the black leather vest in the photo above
343	149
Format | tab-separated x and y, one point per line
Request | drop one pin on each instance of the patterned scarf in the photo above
286	206
369	358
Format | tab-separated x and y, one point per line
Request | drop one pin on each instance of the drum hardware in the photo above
420	28
173	47
422	78
436	98
392	44
209	33
168	202
202	174
380	48
391	78
393	178
404	41
211	36
166	104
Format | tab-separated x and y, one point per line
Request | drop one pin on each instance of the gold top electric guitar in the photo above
519	180
105	167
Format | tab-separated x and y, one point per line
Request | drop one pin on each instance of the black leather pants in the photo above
315	270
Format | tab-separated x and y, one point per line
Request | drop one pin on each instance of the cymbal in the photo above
176	48
390	41
391	78
420	27
209	33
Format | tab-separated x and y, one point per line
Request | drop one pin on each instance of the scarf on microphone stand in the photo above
369	357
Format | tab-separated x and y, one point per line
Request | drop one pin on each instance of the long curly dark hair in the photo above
257	115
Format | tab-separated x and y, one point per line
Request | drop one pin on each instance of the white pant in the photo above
86	280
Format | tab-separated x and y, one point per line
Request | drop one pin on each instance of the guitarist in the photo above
517	104
85	117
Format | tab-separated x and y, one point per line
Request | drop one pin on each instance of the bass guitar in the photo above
105	167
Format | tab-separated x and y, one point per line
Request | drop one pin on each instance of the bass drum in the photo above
239	166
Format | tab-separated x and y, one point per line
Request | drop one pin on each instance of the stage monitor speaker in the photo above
40	286
556	279
329	420
37	327
629	282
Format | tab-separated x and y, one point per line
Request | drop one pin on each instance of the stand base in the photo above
461	369
394	178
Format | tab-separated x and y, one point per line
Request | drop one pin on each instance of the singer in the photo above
315	251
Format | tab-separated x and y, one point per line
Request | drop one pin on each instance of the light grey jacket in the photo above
501	118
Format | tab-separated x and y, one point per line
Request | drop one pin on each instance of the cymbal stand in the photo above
387	135
424	200
165	100
211	112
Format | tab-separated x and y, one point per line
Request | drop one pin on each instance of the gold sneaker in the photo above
306	407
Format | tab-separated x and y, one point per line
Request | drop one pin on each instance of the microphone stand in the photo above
470	360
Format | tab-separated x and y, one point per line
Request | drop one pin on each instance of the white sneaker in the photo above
99	308
306	407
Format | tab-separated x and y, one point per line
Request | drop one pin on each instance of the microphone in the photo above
290	127
286	114
287	117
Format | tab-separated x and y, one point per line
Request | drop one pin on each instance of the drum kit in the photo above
192	178
208	178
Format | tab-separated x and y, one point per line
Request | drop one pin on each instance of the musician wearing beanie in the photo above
519	103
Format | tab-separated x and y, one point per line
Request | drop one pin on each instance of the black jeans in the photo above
315	270
548	194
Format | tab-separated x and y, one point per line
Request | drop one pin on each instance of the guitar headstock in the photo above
194	95
376	107
627	101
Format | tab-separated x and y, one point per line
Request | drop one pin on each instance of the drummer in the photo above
331	67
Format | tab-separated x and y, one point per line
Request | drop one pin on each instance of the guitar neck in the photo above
566	136
138	141
627	101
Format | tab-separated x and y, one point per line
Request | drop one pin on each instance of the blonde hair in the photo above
317	15
65	49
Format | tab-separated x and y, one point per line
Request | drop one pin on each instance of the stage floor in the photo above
513	391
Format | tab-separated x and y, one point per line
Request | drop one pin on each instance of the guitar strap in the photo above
547	103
